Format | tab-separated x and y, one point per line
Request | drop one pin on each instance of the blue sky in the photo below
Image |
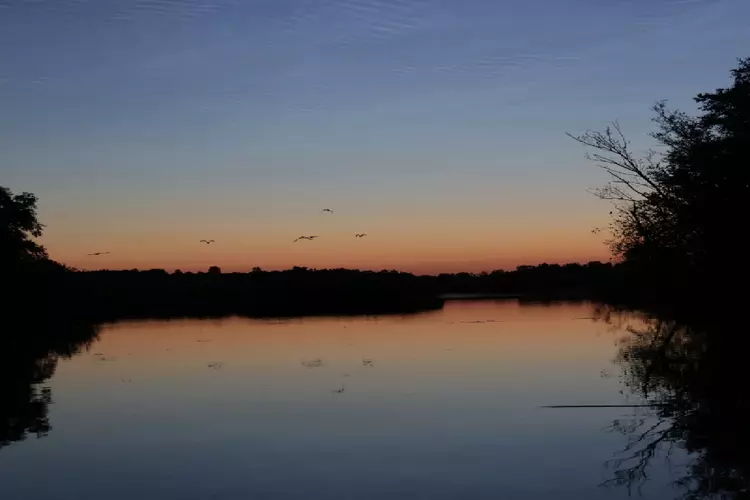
170	117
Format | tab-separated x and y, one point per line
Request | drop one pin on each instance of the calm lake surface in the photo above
439	405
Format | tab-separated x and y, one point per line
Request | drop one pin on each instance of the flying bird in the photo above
327	210
99	253
304	238
208	242
360	235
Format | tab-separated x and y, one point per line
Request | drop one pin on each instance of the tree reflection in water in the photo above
29	352
696	369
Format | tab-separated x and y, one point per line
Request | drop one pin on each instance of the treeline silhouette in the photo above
679	212
106	294
593	280
35	284
298	291
38	285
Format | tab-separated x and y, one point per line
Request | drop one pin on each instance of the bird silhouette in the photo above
327	210
208	242
304	238
360	235
99	253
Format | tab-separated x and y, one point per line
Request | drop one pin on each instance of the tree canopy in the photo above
680	210
18	226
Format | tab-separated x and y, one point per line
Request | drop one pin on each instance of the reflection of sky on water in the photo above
445	409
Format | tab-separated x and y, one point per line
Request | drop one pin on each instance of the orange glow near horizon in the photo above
430	254
471	238
437	225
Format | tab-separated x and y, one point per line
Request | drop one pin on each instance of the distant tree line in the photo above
36	283
301	290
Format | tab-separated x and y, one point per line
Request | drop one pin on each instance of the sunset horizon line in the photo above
403	268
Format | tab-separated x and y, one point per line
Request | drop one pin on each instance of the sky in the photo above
437	127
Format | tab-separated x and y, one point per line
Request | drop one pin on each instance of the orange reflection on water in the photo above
494	345
434	401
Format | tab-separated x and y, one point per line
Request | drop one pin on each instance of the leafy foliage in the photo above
678	211
18	226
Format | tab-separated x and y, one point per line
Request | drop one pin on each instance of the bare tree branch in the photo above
617	159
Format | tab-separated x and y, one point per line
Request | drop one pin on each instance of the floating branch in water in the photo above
648	405
483	321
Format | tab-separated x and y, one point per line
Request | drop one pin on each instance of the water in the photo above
439	405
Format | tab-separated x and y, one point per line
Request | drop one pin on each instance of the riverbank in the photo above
109	295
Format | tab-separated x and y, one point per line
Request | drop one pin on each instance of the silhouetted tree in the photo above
18	226
214	270
677	213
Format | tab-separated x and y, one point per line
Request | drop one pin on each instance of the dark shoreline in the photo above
98	296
